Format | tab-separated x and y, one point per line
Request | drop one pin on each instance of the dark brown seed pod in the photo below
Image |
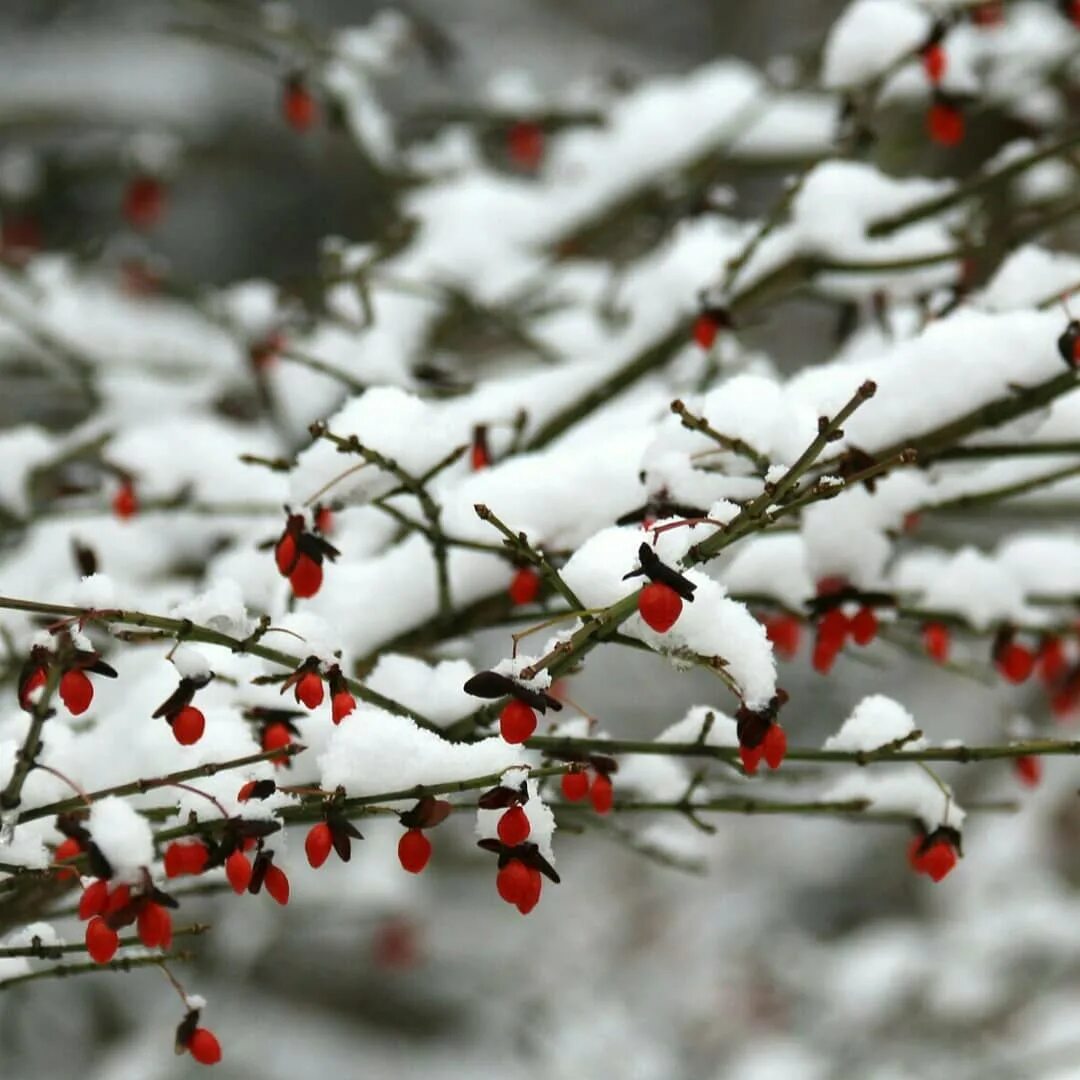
655	570
499	797
752	726
528	853
426	814
1069	344
490	684
185	1029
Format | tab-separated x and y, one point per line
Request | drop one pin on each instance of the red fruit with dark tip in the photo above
1029	770
93	900
341	705
309	690
35	681
516	722
1053	663
937	641
659	606
933	60
101	940
246	791
185	857
238	871
318	843
1014	662
144	202
277	737
188	725
945	123
66	849
414	851
76	691
277	884
525	144
285	554
298	105
751	758
306	578
601	794
575	786
154	926
514	827
705	331
513	881
524	586
864	626
125	502
937	860
204	1047
784	631
774	746
530	895
826	650
118	899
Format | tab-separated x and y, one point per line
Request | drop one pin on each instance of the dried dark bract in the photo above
426	814
490	684
655	570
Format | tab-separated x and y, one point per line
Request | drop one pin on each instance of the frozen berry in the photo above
784	631
660	606
414	851
277	884
185	858
864	626
33	682
601	794
125	502
705	330
68	848
514	827
938	859
76	691
154	926
238	871
317	844
937	641
285	551
516	722
341	705
774	746
276	737
575	785
1028	770
525	144
309	690
93	900
524	586
530	895
188	725
101	940
1053	663
144	202
513	881
751	758
324	520
306	577
1014	662
945	123
298	105
204	1047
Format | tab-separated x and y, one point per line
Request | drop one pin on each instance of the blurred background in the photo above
805	950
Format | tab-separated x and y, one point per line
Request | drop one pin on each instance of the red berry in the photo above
188	857
277	884
306	578
35	681
118	899
774	746
125	502
513	881
324	520
1014	662
516	722
864	626
1028	770
751	758
575	785
937	641
831	583
524	586
318	843
102	940
945	123
479	458
826	650
660	606
514	827
154	926
76	691
1053	662
530	895
309	690
937	860
705	330
413	851
66	849
988	14
933	60
144	201
204	1047
93	900
525	144
298	105
285	554
601	794
246	791
188	725
784	631
238	871
834	626
276	737
341	705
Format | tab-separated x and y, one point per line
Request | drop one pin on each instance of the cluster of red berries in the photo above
760	734
106	908
299	555
934	854
307	684
593	783
75	689
299	109
843	612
